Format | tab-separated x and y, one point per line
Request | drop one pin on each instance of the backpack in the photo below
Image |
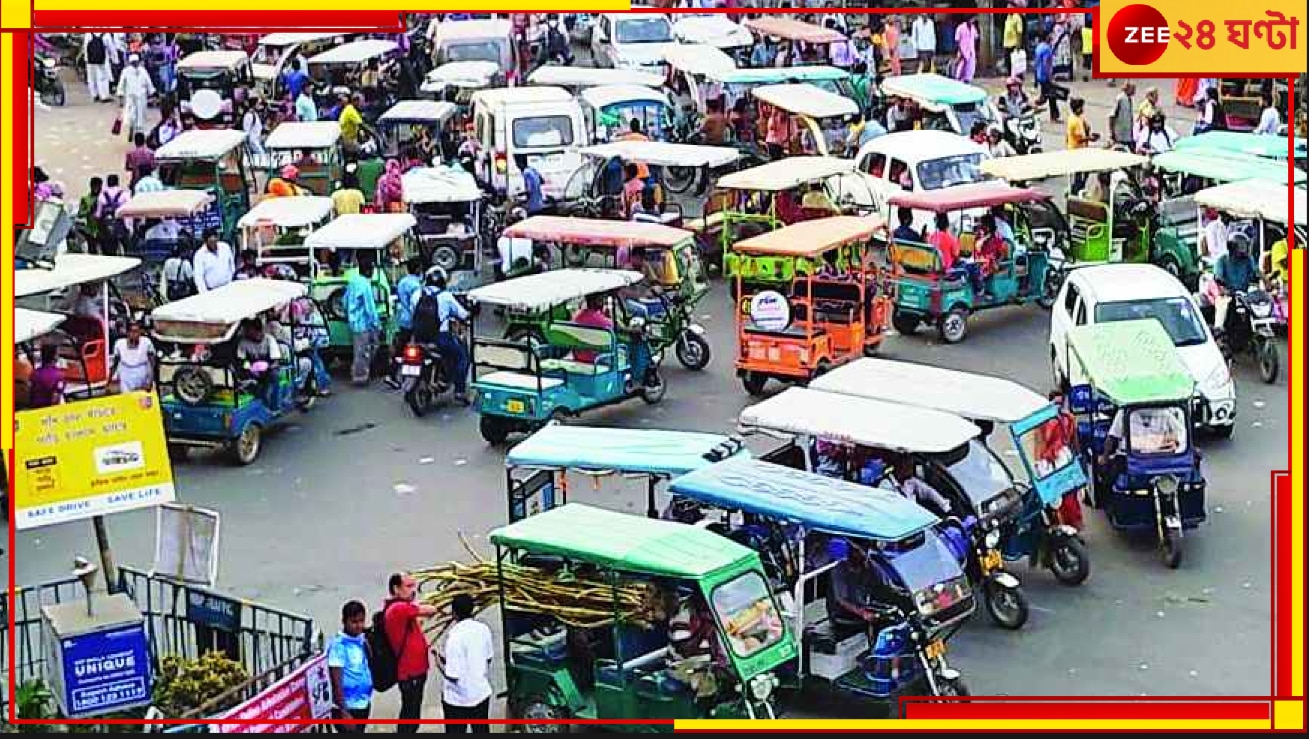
427	319
383	660
180	281
95	50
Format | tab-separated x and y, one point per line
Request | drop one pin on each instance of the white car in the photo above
1124	292
632	41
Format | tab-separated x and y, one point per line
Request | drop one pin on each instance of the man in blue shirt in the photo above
1044	68
532	183
454	354
347	663
295	80
905	231
406	292
365	324
1235	272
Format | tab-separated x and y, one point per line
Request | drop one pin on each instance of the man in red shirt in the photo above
945	242
404	629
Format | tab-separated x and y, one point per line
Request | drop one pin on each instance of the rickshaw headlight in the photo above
992	539
48	63
761	686
1167	484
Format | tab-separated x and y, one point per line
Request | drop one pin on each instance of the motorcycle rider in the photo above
1235	272
1015	106
435	307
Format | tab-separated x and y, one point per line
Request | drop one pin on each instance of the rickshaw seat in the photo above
572	366
794	331
827	635
967	244
1090	210
705	223
519	380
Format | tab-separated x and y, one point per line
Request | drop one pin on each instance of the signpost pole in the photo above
106	554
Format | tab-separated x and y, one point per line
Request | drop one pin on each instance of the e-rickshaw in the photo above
634	665
84	281
335	251
926	292
342	65
276	50
1242	99
790	31
214	161
1130	385
873	442
207	85
29	327
612	108
275	230
567	367
738	82
795	319
1276	148
1048	458
946	104
537	468
669	253
596	189
185	207
816	120
210	397
805	528
404	125
689	68
576	79
451	226
314	147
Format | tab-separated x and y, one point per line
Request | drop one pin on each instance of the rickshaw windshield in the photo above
980	472
552	130
745	608
1177	315
921	566
643	31
960	169
970	113
1046	448
488	50
268	54
1153	431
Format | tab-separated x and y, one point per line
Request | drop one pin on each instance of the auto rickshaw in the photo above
612	108
634	666
314	147
276	50
817	121
679	279
275	230
207	85
452	227
689	66
210	397
861	440
926	292
403	125
1049	460
71	287
790	32
335	251
538	468
33	327
214	161
1242	100
568	367
739	82
946	104
341	65
596	189
185	207
805	526
1276	148
814	300
1130	384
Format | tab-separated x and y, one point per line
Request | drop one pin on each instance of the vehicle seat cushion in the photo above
794	331
572	366
577	336
519	380
1087	209
919	258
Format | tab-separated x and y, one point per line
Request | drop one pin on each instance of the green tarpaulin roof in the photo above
1131	362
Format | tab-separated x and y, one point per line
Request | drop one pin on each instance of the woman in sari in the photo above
390	189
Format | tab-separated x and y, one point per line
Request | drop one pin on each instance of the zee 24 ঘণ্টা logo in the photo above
1139	34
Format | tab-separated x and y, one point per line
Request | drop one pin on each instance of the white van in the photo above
1124	292
475	41
632	41
543	123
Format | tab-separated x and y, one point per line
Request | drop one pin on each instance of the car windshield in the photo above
745	609
980	473
643	31
494	51
960	169
1177	315
543	131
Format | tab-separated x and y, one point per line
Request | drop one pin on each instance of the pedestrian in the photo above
135	88
1214	235
42	187
1144	112
87	221
465	664
111	229
45	386
1013	40
252	122
347	664
361	313
99	72
148	181
177	278
965	38
348	199
1043	63
305	108
401	619
924	36
169	126
140	156
1158	137
532	185
214	264
1120	120
1207	113
133	361
1270	120
390	189
891	42
350	121
294	79
1078	132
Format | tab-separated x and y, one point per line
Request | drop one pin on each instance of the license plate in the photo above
410	370
991	561
515	406
935	649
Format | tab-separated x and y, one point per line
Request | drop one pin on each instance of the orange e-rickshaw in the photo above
834	309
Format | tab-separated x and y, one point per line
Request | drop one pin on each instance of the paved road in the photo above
360	488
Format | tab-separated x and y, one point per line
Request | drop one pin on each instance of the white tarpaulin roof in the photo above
210	143
166	204
230	303
1254	199
289	212
29	324
1031	167
304	135
592	77
440	185
603	96
355	52
785	174
213	60
69	270
361	231
436	111
697	58
536	292
472	73
664	154
805	99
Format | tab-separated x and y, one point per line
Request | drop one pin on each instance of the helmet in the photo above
1239	242
289	172
435	276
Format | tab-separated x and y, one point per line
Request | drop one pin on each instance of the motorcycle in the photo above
422	376
48	84
1002	593
1248	329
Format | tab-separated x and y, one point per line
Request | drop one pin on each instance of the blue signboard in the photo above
106	671
213	611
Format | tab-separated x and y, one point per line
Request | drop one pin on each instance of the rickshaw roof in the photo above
712	29
419	111
602	96
354	52
1131	362
1240	142
793	30
592	77
441	184
785	174
1254	199
932	90
819	503
515	95
211	143
471	73
70	270
765	75
624	542
915	147
474	28
288	39
288	212
166	204
548	289
213	60
863	421
1224	166
231	303
973	396
1062	163
666	154
361	231
597	232
810	238
304	135
649	451
698	58
963	197
803	98
30	324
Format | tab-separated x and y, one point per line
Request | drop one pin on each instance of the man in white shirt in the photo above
214	263
1270	119
465	665
135	88
1154	431
1215	235
924	35
908	484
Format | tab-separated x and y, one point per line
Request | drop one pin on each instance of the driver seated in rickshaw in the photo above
1153	431
641	299
854	591
904	480
258	355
